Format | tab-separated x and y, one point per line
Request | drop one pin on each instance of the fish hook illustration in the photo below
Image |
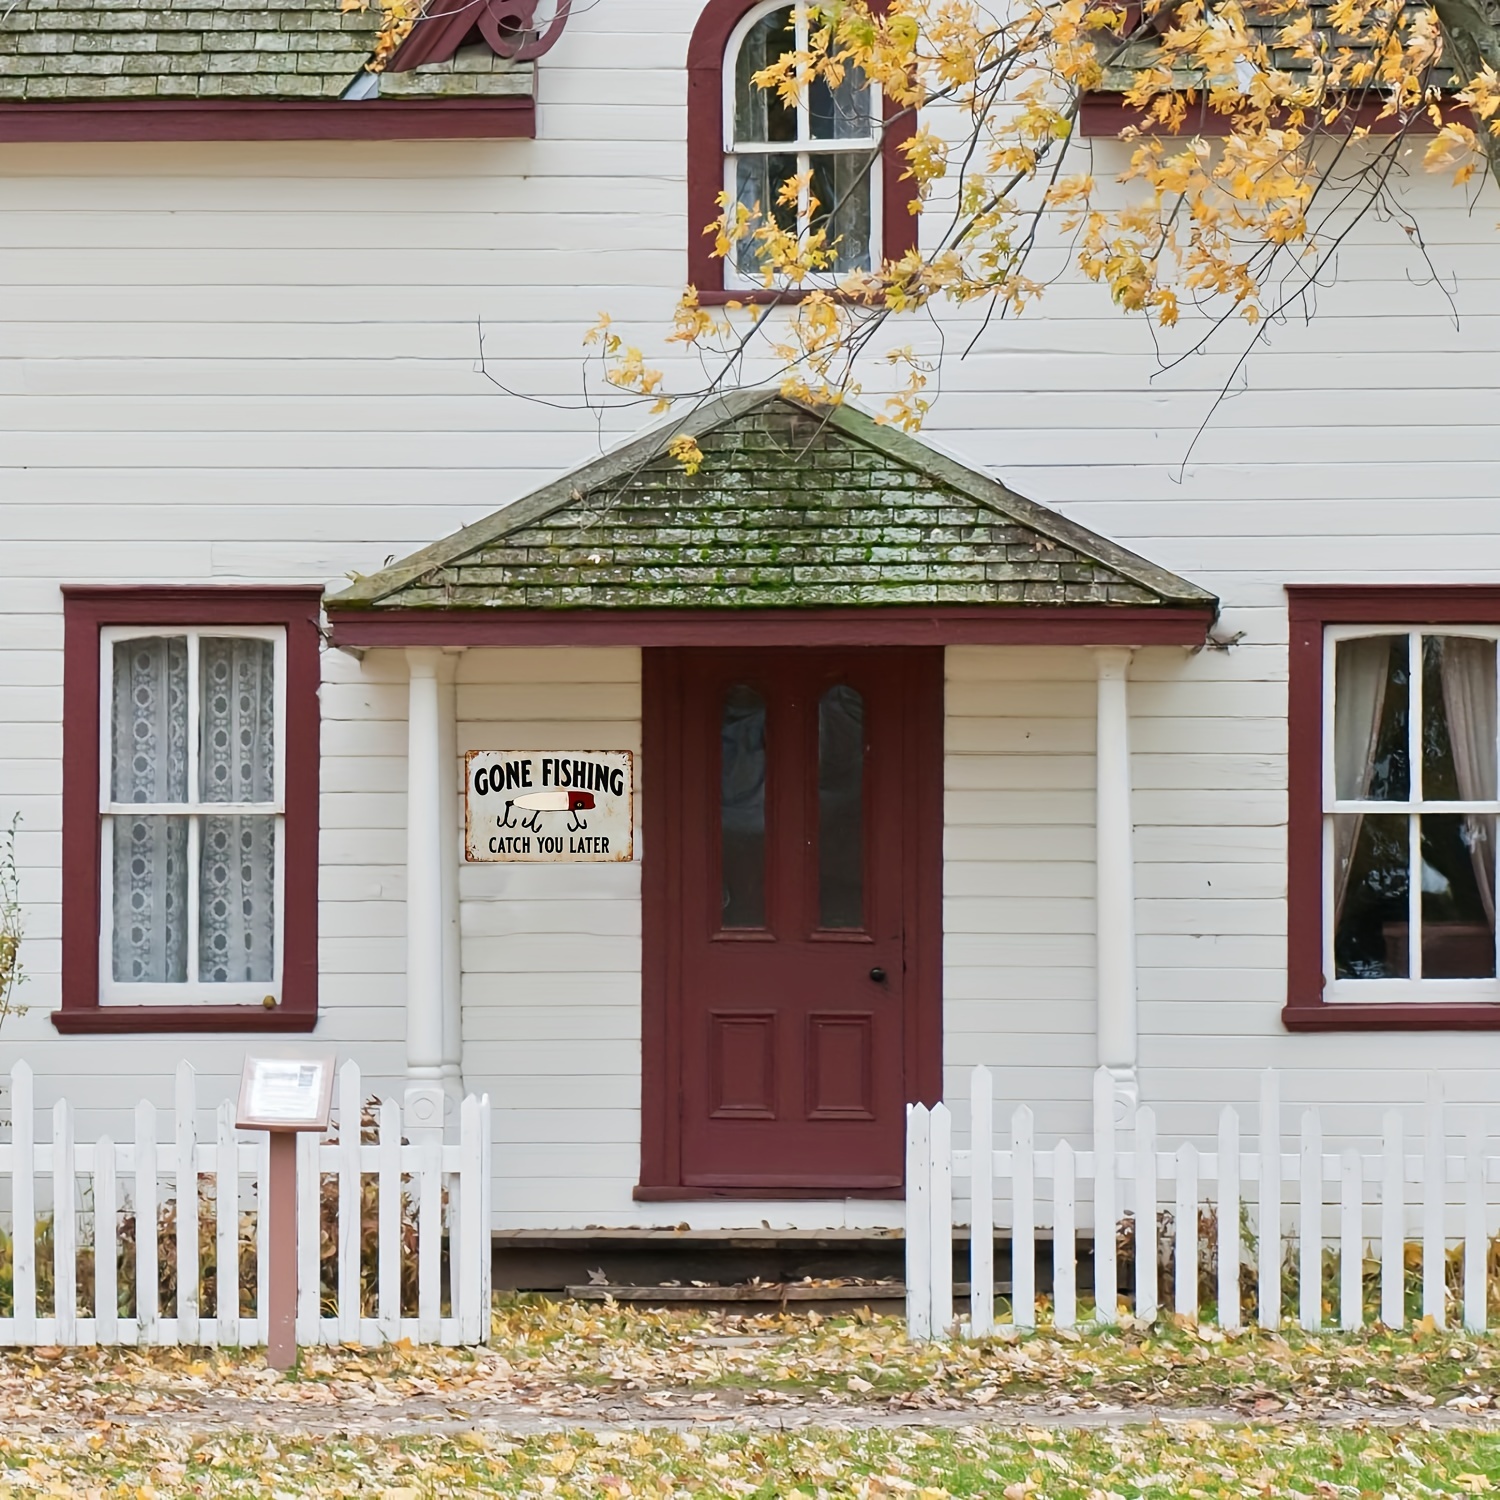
534	805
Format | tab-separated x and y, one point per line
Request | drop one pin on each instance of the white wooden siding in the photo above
240	361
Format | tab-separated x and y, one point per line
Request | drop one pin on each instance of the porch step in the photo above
827	1296
671	1260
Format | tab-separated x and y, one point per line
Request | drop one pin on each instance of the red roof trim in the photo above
511	117
1107	114
954	625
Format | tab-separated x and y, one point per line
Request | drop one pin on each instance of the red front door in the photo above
791	917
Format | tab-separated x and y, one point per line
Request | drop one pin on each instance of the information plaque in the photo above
285	1093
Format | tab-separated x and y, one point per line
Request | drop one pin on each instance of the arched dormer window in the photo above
827	138
746	142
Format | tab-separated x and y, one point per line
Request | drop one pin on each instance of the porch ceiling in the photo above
797	513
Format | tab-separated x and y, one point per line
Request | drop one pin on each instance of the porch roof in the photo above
796	512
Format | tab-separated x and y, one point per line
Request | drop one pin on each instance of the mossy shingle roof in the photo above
792	506
217	49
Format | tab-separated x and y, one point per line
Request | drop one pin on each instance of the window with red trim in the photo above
745	142
190	809
1393	804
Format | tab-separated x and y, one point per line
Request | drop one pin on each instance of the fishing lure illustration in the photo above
534	804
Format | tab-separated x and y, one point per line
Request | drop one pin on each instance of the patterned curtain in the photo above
237	861
237	851
149	764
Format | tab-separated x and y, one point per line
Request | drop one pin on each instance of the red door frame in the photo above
661	969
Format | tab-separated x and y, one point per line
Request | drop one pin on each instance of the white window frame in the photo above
193	991
1413	988
803	148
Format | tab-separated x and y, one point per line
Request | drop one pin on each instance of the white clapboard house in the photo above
354	695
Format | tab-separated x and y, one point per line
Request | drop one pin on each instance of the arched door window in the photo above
828	141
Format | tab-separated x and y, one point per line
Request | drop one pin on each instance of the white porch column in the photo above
1115	880
451	793
426	810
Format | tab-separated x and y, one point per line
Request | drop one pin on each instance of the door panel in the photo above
790	923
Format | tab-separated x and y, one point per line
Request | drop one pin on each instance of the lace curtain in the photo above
237	859
150	765
235	879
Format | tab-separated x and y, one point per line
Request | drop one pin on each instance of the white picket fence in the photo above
1366	1195
90	1186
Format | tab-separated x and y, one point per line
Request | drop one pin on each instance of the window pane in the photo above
1372	877
841	186
843	113
742	808
150	900
237	699
1458	719
149	720
760	114
1458	896
237	900
757	180
841	781
1371	749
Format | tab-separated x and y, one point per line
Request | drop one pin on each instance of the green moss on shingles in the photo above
791	508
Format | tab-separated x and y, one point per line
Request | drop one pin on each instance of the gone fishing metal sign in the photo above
548	806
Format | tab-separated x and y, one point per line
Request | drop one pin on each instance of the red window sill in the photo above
114	1020
1414	1017
505	118
646	1194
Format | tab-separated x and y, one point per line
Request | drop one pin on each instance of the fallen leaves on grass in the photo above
821	1464
551	1357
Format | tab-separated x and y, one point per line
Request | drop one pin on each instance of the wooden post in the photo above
281	1213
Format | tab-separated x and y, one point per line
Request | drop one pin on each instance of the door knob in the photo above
878	975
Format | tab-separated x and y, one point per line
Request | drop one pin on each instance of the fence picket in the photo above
227	1226
982	1204
471	1230
1064	1240
1106	1282
1146	1258
79	1205
940	1204
259	1326
1475	1246
486	1179
1185	1250
1268	1230
429	1244
1229	1219
1434	1200
388	1273
309	1237
918	1224
349	1203
185	1105
1392	1222
1310	1224
23	1202
1023	1231
146	1266
64	1225
106	1244
1351	1241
